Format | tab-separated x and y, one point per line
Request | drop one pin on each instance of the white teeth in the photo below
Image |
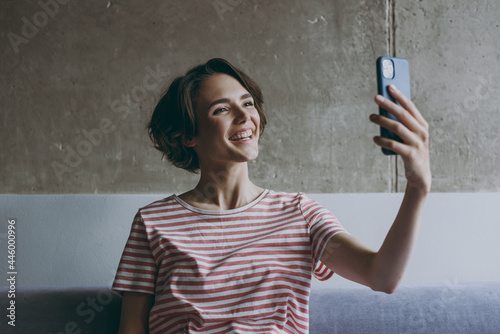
243	135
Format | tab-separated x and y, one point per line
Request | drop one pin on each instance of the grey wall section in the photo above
454	47
77	240
79	81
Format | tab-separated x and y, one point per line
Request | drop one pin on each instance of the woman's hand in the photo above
414	131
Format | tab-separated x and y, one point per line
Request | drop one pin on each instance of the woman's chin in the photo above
253	155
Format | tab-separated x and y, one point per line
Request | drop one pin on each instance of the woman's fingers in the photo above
398	128
407	105
403	115
391	145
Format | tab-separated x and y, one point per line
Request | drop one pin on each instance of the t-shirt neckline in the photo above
221	212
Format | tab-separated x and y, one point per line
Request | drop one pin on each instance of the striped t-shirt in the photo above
245	270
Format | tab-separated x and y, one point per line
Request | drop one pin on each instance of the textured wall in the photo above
454	47
79	81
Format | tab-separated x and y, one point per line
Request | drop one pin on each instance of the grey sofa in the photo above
448	308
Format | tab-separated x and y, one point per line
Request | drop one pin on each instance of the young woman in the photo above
231	257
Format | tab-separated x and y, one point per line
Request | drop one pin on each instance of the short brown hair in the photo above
174	117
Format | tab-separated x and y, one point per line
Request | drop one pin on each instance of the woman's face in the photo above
228	123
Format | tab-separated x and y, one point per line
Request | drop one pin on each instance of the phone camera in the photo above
387	68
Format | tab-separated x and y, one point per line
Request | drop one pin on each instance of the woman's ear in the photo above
188	142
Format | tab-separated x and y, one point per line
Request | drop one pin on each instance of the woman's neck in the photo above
223	189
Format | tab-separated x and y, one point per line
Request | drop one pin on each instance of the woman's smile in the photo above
242	136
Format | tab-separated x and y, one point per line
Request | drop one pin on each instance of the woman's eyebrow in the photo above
225	100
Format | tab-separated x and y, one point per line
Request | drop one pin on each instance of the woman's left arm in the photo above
383	270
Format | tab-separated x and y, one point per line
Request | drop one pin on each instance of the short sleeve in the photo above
322	226
137	269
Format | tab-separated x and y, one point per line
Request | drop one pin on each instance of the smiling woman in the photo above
229	256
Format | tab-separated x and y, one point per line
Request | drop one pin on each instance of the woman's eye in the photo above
248	104
219	110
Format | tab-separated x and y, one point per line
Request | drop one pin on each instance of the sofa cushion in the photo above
448	308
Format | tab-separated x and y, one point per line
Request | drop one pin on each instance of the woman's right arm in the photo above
135	312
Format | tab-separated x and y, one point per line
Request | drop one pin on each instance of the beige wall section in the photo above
79	81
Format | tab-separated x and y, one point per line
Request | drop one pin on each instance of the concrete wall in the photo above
79	81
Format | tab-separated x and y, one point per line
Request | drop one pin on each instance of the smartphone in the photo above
395	71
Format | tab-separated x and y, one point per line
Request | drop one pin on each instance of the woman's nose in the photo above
241	114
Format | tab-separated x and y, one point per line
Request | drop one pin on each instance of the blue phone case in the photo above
401	79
